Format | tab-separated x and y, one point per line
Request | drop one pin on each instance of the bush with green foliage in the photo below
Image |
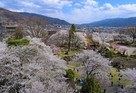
108	53
70	74
91	85
17	42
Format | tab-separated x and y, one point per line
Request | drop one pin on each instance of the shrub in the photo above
17	42
91	85
70	74
122	63
108	53
124	43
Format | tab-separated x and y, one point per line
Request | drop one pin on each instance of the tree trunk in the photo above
69	42
133	40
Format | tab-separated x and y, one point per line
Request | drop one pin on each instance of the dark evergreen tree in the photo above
71	35
91	85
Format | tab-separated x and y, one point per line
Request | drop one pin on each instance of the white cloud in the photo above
58	3
107	6
128	7
91	2
15	10
78	4
29	4
89	13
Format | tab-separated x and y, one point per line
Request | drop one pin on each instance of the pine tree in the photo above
71	34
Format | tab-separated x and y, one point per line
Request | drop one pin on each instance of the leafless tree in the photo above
36	27
19	32
131	31
121	34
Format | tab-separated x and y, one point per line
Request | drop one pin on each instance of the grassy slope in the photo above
116	77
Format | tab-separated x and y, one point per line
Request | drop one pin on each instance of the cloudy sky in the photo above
75	11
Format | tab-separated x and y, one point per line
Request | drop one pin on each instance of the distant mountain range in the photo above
49	19
115	22
17	16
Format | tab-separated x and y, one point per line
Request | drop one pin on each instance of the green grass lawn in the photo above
17	42
75	64
71	53
116	77
77	74
72	65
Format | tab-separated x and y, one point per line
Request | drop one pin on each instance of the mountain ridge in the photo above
16	16
114	22
49	19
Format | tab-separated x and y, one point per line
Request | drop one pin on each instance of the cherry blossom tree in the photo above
32	69
130	75
94	65
60	39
